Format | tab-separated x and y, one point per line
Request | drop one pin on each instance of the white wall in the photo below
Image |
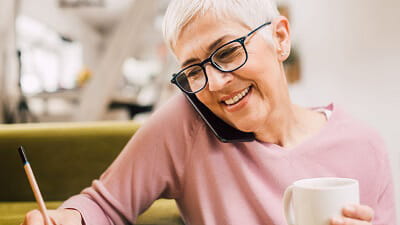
350	52
8	61
67	23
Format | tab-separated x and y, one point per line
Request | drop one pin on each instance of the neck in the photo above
290	126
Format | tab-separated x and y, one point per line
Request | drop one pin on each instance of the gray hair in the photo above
250	12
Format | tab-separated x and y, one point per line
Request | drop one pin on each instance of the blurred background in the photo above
91	60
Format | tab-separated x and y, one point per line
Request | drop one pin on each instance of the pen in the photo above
34	186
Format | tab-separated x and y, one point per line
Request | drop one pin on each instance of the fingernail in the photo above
337	220
350	209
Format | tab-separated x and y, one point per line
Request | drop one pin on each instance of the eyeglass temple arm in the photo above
259	27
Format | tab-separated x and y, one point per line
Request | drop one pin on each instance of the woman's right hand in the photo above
59	216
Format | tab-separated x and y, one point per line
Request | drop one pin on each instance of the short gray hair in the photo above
250	12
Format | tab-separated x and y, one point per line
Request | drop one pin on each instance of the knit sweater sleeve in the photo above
150	166
385	210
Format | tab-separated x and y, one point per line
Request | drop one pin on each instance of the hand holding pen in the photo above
44	216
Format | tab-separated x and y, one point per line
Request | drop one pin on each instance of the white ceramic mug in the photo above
315	201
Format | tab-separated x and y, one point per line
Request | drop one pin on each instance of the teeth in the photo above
236	98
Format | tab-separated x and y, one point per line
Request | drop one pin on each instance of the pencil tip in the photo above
22	155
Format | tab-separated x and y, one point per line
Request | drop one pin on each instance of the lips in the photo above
235	99
238	100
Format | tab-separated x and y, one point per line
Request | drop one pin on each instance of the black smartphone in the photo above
223	131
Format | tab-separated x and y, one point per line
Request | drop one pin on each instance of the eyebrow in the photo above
210	48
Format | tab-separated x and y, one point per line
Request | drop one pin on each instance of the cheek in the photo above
262	58
209	101
257	73
206	98
267	83
262	68
262	62
202	96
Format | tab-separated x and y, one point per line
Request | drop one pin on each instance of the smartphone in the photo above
223	131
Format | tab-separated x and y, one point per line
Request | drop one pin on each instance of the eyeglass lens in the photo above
227	58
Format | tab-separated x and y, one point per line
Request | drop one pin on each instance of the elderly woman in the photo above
231	54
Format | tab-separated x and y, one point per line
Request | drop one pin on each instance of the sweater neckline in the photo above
279	150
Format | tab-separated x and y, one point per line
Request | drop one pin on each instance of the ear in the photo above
281	35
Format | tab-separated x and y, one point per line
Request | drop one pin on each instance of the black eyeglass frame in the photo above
241	40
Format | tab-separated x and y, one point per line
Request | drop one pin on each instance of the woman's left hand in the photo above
355	215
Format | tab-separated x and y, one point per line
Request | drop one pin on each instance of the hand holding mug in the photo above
354	214
317	201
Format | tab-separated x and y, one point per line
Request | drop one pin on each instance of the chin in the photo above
250	123
245	126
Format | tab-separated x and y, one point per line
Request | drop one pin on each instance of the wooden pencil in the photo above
34	186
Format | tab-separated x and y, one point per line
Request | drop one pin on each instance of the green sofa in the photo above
65	158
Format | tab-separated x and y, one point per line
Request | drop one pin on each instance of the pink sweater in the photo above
174	155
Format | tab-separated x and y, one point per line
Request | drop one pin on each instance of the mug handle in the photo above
287	199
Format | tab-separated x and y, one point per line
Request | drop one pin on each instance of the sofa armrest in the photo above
162	212
65	157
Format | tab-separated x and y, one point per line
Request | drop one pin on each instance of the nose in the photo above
217	79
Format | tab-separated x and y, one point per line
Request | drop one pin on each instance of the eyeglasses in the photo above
227	58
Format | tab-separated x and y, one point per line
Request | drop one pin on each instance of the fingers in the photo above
33	217
348	221
360	212
53	222
355	215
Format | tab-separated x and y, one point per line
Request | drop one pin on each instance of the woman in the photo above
231	55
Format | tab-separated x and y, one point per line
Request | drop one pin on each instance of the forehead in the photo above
196	37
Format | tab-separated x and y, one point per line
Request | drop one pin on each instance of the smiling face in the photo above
252	96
